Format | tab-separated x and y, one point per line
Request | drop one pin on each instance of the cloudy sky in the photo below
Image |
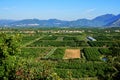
59	9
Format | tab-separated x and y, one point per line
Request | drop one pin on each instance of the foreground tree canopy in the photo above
9	47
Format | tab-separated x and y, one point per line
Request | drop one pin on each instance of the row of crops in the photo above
65	38
48	43
26	39
50	37
65	41
91	54
94	54
58	54
105	51
34	52
55	41
78	69
107	38
104	43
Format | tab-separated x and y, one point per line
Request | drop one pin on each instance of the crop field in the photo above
105	51
57	54
35	52
71	54
55	43
68	55
107	38
28	38
50	37
104	43
92	54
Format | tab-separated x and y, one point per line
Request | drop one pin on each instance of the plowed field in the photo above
72	53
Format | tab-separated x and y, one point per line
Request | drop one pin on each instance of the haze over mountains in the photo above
107	20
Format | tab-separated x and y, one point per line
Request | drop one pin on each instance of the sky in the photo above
57	9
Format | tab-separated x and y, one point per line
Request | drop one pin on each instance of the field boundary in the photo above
31	42
50	53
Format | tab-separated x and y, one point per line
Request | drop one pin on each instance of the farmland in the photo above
67	53
91	54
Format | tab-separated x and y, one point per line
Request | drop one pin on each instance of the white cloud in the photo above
90	10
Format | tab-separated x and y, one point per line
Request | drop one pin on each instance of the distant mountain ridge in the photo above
107	20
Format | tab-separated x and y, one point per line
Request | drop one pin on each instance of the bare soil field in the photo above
72	53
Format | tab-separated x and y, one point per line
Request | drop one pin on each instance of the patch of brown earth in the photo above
72	53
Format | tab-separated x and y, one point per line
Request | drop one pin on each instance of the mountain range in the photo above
107	20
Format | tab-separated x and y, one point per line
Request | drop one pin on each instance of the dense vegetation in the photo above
105	51
39	55
58	54
49	43
91	54
104	43
9	48
79	70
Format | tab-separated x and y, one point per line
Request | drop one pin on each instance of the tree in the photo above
69	73
54	76
9	47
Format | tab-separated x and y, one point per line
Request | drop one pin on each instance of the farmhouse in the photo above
91	38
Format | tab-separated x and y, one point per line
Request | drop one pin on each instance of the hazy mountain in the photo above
5	21
103	20
115	23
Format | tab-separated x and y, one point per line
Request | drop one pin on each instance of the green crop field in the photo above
91	54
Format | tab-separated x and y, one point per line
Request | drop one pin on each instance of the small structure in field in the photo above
91	38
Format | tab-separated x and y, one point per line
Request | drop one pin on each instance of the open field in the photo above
72	53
